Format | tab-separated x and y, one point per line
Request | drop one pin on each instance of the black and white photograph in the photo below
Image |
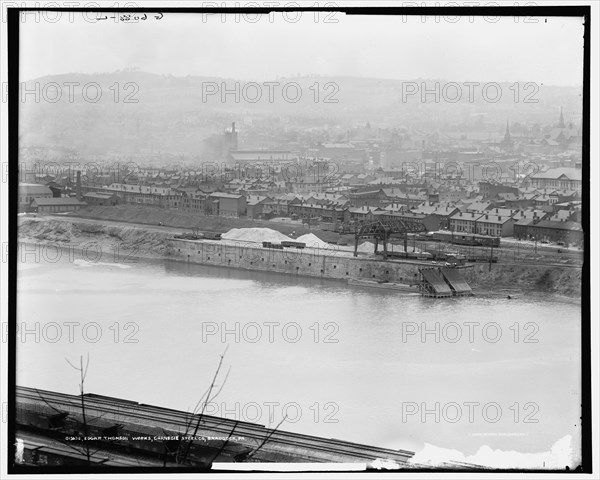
326	239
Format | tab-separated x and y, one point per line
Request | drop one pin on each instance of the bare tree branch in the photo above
182	456
82	375
222	385
266	439
51	406
225	442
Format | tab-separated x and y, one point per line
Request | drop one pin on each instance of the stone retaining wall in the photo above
305	262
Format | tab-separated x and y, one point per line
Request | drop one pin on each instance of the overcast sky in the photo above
549	51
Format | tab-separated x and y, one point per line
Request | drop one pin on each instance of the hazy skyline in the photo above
395	47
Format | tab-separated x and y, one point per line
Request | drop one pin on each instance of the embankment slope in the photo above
139	242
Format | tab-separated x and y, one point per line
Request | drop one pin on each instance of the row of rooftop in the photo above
490	211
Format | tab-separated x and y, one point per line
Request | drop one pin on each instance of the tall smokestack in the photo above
234	138
78	185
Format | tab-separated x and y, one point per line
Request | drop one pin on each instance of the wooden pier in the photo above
434	284
444	282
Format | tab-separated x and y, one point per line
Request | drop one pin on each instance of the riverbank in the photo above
151	215
564	281
123	243
95	242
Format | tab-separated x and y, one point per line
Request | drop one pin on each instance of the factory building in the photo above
56	205
28	192
229	205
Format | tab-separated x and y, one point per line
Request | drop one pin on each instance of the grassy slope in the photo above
176	218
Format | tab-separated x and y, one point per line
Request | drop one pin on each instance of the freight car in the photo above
287	243
211	236
471	239
276	246
411	255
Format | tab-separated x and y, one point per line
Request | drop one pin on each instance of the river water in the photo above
358	364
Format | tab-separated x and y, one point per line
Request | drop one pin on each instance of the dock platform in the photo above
443	282
434	284
457	284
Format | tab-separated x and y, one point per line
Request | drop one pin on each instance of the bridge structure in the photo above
384	230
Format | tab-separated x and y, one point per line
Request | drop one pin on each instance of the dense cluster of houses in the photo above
546	207
443	181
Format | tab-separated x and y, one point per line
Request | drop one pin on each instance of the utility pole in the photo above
385	240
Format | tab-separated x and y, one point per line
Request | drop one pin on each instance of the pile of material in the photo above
257	235
313	241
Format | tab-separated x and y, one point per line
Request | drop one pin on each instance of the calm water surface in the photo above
341	362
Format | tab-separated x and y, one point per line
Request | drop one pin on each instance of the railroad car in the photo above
276	246
471	239
411	255
287	243
211	235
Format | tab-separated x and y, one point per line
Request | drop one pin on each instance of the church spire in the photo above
561	120
507	133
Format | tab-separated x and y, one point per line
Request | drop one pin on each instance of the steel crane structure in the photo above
383	231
